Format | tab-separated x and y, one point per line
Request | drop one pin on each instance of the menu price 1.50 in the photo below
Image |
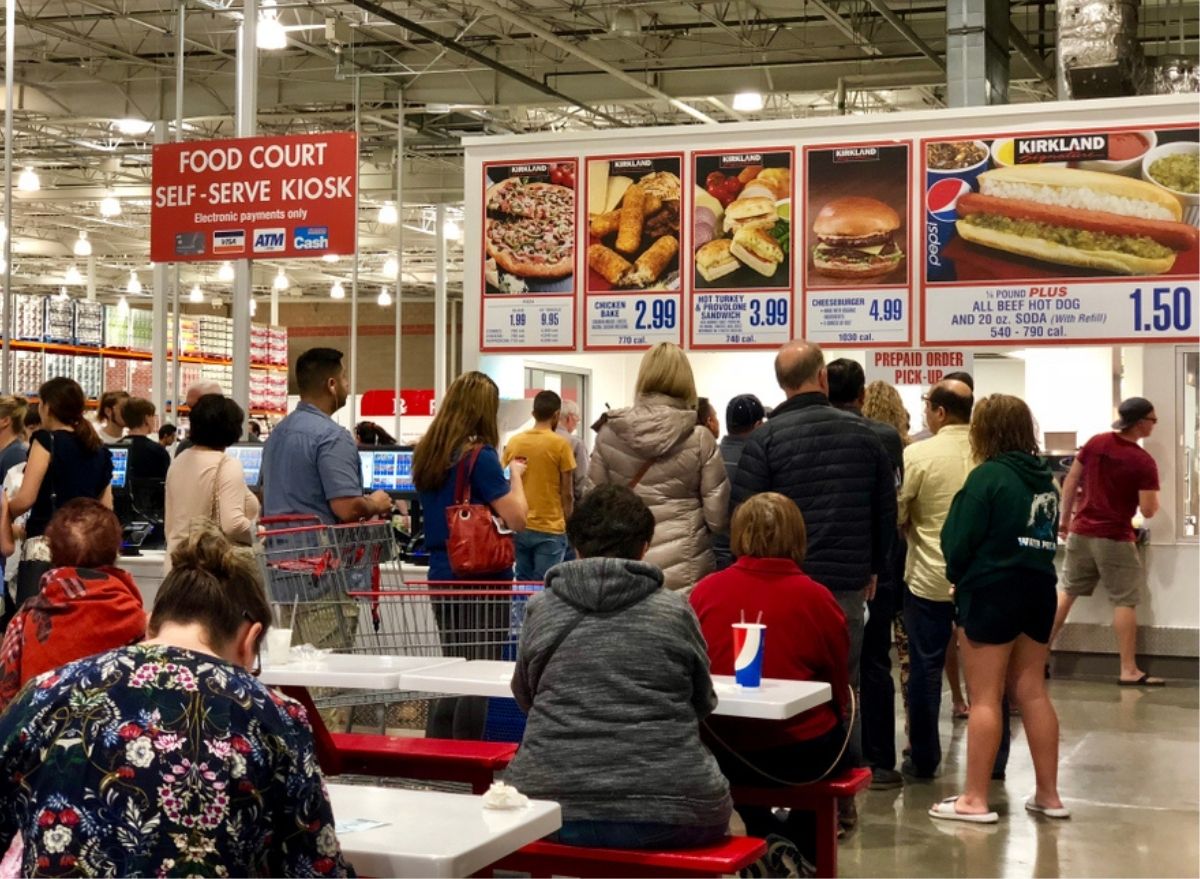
1161	309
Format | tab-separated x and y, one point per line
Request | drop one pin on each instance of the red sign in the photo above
382	403
254	198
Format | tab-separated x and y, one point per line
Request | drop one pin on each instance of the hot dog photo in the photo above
1079	205
742	220
633	216
856	216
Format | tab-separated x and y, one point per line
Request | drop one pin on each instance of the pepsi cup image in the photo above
748	641
951	169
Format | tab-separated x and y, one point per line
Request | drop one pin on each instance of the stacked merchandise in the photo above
189	374
278	355
56	365
222	375
141	377
116	327
260	344
189	335
216	337
88	370
89	323
60	320
268	390
29	313
141	330
28	369
116	374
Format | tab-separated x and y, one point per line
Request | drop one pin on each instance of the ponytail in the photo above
85	432
66	402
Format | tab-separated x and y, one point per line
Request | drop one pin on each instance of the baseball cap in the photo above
743	411
1132	411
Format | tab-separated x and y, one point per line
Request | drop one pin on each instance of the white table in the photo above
429	833
774	700
351	671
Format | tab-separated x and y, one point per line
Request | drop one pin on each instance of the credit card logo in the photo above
311	238
270	240
229	241
189	243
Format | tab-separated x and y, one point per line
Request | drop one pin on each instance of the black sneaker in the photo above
885	779
910	769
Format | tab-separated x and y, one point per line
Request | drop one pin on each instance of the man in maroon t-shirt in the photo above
1113	477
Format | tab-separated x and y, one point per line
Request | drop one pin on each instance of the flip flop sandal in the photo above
1144	681
1058	812
946	811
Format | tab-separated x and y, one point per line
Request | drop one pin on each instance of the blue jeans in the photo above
537	552
854	607
637	834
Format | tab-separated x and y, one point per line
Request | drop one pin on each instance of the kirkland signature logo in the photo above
311	238
229	241
270	240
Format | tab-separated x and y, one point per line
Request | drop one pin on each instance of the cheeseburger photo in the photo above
1078	218
855	239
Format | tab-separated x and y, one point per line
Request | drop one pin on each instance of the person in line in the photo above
606	650
706	415
206	483
834	468
549	483
167	434
13	450
465	421
743	415
368	433
999	543
657	448
253	432
67	459
847	391
33	423
111	422
1111	479
568	427
169	757
87	604
806	640
934	471
967	379
147	458
194	393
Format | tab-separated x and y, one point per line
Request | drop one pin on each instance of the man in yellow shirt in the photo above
549	489
934	470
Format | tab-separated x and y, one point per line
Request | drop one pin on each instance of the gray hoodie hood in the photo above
603	585
652	425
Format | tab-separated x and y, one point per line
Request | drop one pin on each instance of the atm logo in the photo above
270	240
229	241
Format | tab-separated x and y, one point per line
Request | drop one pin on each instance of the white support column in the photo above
352	402
10	30
452	362
91	277
243	270
274	306
177	336
439	306
158	342
399	301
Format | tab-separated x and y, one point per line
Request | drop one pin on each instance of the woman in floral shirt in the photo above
168	757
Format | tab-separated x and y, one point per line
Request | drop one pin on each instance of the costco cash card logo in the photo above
270	240
311	238
229	241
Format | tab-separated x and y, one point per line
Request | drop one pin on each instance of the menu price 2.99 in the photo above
621	322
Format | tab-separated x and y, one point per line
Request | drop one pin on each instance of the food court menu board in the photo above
1062	236
632	286
857	267
529	234
741	248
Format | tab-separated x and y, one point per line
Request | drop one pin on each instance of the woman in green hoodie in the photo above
999	542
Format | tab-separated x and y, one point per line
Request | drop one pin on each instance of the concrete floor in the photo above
1128	770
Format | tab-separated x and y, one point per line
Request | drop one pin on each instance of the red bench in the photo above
820	797
438	759
540	859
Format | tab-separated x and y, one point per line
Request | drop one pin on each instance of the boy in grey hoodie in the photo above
613	672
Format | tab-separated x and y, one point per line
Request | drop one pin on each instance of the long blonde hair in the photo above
665	370
468	414
882	403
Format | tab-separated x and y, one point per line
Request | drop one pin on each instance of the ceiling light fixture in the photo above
253	308
281	280
63	295
122	306
73	276
29	181
337	291
134	287
270	33
330	258
83	247
748	102
385	298
625	23
196	296
391	268
133	127
225	272
110	207
452	231
388	215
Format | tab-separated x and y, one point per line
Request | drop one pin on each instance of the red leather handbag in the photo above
476	545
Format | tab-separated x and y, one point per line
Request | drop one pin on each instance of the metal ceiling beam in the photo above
503	69
907	32
1026	50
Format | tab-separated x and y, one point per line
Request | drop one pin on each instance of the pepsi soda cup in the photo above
748	641
943	188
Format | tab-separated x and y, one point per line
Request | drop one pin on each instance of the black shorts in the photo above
996	613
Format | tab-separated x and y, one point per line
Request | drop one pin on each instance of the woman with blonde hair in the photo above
999	541
806	640
656	448
882	403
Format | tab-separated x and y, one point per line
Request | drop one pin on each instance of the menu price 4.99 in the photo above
852	317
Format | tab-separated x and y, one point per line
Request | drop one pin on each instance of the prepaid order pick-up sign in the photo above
924	367
254	197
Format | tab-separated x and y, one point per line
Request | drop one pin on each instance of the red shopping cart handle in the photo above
288	519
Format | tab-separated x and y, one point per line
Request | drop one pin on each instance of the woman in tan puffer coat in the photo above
685	485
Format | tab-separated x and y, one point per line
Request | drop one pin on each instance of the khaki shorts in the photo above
1115	563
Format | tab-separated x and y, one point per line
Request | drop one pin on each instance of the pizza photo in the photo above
529	228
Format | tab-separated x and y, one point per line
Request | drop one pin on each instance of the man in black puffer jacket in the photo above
835	468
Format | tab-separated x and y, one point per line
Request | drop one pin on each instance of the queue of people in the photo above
825	518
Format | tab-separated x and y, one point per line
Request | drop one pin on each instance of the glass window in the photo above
1188	462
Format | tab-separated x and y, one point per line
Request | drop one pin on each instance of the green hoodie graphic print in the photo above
1003	523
